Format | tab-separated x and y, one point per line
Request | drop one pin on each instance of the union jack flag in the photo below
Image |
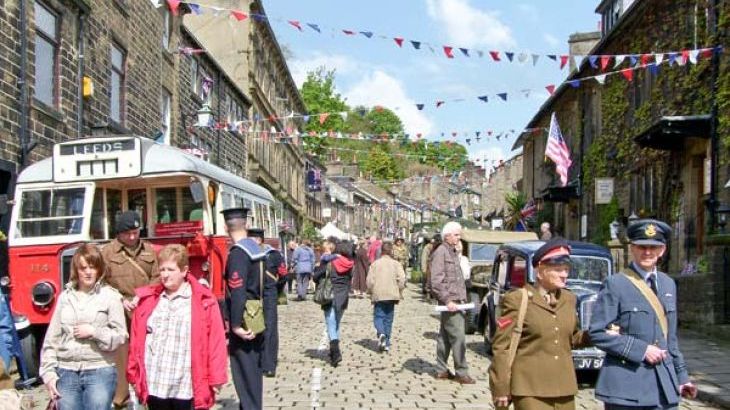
557	150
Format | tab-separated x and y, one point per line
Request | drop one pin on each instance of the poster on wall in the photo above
314	180
604	190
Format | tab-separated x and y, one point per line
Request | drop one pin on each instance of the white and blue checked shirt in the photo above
167	347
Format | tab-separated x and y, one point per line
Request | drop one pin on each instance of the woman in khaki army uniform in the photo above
541	375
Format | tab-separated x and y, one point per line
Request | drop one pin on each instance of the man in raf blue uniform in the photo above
635	322
243	281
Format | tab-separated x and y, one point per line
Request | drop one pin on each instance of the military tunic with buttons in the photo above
122	273
543	365
626	379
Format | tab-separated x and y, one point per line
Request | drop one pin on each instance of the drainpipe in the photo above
218	128
714	140
23	84
80	34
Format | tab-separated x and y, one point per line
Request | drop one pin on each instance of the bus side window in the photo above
192	211
165	205
137	201
96	231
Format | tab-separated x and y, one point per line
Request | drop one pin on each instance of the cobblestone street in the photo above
401	379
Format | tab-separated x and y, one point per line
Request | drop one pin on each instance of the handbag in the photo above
323	292
253	312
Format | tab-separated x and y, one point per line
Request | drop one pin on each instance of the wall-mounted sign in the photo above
604	190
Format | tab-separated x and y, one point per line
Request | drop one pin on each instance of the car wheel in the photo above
472	315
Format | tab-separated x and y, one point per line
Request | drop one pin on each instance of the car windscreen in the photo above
589	268
482	252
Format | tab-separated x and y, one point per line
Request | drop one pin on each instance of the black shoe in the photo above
335	353
270	373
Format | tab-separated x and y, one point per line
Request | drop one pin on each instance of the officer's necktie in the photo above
651	280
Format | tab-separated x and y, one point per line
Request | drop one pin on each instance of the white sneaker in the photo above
381	342
324	342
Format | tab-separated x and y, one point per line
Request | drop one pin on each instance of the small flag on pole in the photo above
557	150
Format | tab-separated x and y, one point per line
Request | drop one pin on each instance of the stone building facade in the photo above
506	177
658	132
250	54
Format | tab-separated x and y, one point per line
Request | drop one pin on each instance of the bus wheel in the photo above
31	351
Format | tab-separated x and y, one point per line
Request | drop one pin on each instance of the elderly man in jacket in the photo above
447	285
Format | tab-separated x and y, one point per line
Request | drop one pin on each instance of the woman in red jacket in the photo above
177	346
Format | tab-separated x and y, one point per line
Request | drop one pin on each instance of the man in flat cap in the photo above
243	270
274	274
540	375
131	263
635	322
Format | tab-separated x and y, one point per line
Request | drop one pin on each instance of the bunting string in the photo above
561	61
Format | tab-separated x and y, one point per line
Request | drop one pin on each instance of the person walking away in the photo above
131	263
177	356
274	265
360	270
374	248
303	261
336	266
386	281
289	282
634	321
549	332
243	267
449	289
400	253
78	357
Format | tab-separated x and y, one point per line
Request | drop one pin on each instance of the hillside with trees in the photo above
371	137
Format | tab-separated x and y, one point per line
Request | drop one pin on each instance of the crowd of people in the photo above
130	316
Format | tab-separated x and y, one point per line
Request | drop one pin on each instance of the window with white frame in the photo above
46	54
118	74
165	102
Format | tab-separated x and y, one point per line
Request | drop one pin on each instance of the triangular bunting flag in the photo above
503	96
706	53
552	57
174	6
535	57
672	58
510	55
315	27
495	55
563	61
645	59
239	15
659	58
578	61
398	41
618	60
604	62
368	34
484	98
522	57
633	60
258	17
574	83
601	79
449	51
464	51
592	60
420	107
550	89
343	114
653	68
416	44
685	57
323	118
348	32
526	93
296	24
439	103
693	55
480	53
305	118
628	73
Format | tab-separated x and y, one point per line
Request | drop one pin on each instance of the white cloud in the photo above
379	88
468	26
489	154
340	63
551	39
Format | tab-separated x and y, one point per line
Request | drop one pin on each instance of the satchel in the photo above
323	292
253	312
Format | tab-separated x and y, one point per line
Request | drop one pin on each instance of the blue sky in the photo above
377	72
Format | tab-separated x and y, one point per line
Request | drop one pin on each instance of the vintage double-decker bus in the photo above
76	195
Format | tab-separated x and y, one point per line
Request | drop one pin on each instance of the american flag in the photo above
557	150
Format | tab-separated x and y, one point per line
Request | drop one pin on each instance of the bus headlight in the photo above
43	293
5	281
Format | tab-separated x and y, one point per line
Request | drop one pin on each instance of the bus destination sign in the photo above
97	147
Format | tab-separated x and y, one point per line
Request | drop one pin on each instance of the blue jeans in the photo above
332	320
383	318
86	389
303	284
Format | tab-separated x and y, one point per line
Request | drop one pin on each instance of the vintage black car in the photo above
591	265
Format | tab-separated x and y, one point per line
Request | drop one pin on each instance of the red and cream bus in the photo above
76	195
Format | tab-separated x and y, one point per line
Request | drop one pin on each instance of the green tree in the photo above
381	164
384	121
515	203
321	97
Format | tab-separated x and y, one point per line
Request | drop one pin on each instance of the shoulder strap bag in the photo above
323	292
650	297
517	331
253	315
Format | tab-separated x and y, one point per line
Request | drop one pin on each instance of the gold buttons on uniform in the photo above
556	357
555	317
556	329
556	341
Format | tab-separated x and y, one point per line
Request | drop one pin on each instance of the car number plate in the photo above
588	363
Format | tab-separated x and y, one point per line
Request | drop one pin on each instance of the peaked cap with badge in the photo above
555	251
648	232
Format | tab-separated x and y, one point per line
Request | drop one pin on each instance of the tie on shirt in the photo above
651	280
550	299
